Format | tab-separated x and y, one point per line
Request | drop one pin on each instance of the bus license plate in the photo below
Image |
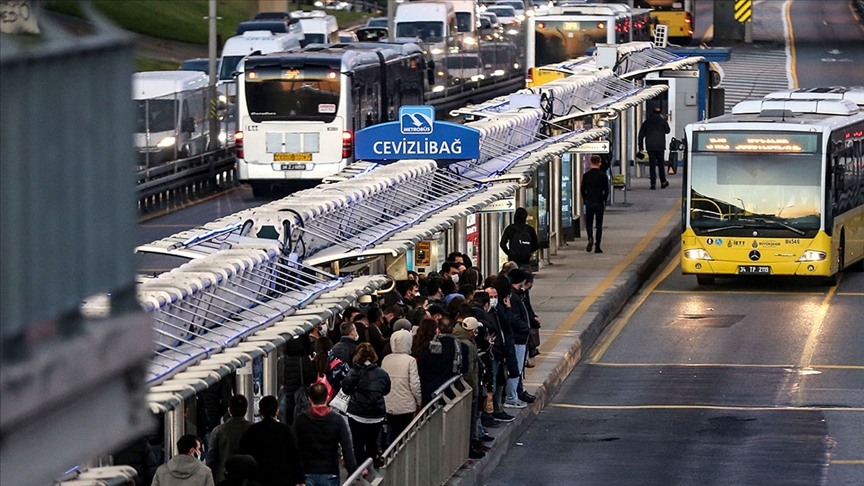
293	167
284	157
754	270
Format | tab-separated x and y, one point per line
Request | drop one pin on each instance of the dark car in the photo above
372	34
273	16
198	64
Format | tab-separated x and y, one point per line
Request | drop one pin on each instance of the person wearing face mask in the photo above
186	468
521	330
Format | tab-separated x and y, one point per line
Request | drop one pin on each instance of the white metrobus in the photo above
777	187
298	111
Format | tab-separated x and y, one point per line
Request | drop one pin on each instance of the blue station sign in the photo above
417	136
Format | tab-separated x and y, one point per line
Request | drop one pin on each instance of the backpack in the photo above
520	243
323	379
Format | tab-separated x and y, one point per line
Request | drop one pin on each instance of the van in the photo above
171	115
434	23
318	27
254	41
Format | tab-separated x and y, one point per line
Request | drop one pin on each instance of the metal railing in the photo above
433	446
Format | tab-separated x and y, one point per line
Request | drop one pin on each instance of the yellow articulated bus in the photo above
777	187
676	14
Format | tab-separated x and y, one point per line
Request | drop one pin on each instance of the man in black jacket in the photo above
274	447
321	431
347	345
521	329
225	439
595	189
652	138
519	240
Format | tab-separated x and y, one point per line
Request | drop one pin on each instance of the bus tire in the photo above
705	279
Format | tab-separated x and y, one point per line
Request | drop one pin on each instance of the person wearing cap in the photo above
465	331
404	398
399	325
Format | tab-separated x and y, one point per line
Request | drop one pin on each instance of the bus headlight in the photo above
437	51
166	142
437	89
470	41
813	256
697	254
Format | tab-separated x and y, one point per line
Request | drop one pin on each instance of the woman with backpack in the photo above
330	369
366	384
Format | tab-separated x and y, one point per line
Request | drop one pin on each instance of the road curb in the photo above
599	316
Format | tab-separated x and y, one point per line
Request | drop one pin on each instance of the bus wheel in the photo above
705	279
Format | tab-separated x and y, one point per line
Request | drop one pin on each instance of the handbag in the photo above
530	362
340	402
533	338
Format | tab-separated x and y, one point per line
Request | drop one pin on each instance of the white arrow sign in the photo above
501	206
601	147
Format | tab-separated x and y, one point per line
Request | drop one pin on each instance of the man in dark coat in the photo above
322	431
347	345
652	138
594	190
519	240
225	439
274	447
439	360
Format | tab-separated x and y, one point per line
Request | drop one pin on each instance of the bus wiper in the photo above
778	223
714	230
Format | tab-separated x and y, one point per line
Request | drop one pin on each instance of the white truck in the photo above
171	115
318	27
434	23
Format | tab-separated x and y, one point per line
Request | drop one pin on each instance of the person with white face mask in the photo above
186	468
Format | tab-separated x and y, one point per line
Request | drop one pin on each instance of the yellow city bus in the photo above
676	14
777	187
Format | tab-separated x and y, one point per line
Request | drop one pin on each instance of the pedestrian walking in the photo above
273	446
519	240
595	190
322	431
367	384
652	138
186	468
225	439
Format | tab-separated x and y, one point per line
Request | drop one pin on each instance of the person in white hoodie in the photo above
404	398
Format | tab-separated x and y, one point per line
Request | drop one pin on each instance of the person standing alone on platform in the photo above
595	190
652	138
519	239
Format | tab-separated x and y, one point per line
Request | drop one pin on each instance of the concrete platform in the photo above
579	293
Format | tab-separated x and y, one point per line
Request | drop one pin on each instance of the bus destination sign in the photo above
417	136
768	142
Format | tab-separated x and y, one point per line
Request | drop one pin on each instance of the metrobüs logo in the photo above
416	119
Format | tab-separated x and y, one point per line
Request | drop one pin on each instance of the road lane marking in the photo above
736	292
709	34
816	330
854	462
589	300
598	351
790	46
189	204
851	294
855	16
729	365
701	407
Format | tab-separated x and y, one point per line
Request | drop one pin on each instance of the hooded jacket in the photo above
652	134
436	368
472	377
520	221
183	470
404	396
367	384
321	431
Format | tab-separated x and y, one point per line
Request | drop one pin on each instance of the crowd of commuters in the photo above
393	354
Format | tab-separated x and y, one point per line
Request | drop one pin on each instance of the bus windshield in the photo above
310	93
737	191
427	31
156	115
229	65
560	40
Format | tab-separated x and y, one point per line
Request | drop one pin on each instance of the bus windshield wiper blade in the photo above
778	223
714	230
